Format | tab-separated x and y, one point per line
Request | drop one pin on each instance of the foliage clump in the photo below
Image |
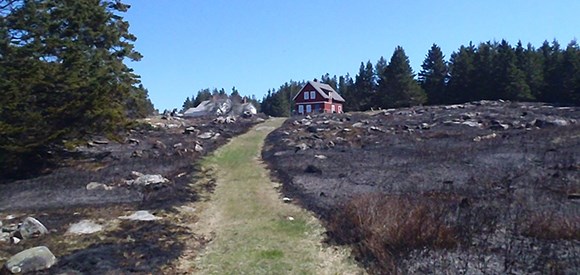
62	76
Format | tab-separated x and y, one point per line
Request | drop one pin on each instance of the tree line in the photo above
488	71
63	76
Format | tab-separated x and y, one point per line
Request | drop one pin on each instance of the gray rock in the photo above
497	125
548	122
301	147
146	180
30	260
32	228
471	124
101	141
358	125
260	120
84	227
189	130
133	141
141	215
98	186
177	145
135	174
4	236
159	145
206	135
320	156
198	148
137	154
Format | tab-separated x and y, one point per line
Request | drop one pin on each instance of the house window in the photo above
332	108
300	109
312	95
317	107
308	108
340	108
305	95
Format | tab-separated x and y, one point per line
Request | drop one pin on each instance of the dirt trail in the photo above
251	229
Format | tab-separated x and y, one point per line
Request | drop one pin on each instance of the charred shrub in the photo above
383	229
549	225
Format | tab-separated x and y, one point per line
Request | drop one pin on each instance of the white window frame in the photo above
312	95
306	96
308	108
332	108
301	109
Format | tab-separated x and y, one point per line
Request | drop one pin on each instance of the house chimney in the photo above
315	80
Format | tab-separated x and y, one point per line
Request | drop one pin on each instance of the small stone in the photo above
30	260
135	174
320	156
358	125
206	135
198	148
159	145
101	141
134	141
300	147
141	215
177	145
290	218
32	228
286	199
16	240
137	154
189	130
84	227
98	186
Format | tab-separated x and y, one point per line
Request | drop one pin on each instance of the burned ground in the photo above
495	185
170	148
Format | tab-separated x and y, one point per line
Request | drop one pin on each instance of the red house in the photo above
316	97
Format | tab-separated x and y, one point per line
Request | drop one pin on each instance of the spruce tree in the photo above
461	75
75	82
401	88
434	75
365	87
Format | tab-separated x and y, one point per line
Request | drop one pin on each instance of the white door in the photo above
332	108
308	108
300	109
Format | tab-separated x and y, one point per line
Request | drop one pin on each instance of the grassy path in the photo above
253	231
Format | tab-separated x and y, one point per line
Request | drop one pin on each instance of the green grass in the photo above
255	233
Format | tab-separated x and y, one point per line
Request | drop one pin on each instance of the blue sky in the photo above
255	45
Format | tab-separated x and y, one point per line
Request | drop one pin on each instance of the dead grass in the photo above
385	228
549	225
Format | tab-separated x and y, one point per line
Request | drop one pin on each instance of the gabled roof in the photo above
325	90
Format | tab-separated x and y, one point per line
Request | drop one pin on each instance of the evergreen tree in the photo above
186	104
511	81
75	82
461	75
202	95
484	74
434	75
365	88
346	89
570	75
401	88
532	68
329	80
235	95
552	60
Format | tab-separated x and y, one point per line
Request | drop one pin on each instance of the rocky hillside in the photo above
107	209
490	187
